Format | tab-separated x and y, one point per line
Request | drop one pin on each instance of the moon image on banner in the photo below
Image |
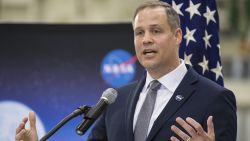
11	114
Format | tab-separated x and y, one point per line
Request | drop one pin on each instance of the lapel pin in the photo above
179	97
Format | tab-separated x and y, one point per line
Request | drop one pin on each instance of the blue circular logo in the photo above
118	67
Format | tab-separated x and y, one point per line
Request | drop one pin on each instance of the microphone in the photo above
108	97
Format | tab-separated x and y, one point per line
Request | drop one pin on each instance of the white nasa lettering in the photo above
130	69
123	68
118	68
107	68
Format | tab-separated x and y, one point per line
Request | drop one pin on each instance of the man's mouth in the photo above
148	52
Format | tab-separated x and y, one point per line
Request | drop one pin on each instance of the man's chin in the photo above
149	66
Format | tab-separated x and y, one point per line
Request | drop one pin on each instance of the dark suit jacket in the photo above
202	98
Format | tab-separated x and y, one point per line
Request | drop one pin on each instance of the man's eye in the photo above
138	33
156	31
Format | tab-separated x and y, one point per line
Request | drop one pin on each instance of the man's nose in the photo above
147	38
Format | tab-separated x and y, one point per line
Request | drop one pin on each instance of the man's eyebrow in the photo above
151	26
154	25
138	28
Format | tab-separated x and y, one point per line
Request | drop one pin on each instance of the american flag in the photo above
200	46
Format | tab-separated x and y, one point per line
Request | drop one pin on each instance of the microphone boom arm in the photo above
79	111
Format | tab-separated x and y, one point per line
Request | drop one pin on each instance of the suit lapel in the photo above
185	89
130	106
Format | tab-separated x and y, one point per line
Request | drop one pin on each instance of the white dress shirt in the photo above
170	82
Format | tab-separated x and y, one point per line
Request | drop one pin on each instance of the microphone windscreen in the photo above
109	95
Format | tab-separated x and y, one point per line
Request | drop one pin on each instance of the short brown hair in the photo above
172	15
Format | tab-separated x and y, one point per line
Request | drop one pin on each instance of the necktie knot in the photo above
155	85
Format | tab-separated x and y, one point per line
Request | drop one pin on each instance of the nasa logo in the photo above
118	68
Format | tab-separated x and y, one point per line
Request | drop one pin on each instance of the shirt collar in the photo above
170	80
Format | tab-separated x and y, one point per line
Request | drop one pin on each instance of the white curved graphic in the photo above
11	113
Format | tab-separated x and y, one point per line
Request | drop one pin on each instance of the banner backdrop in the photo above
53	69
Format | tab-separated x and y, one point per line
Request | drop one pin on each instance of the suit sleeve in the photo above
223	110
98	132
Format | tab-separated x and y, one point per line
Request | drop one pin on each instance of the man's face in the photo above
156	45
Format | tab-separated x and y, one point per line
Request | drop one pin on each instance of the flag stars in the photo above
209	15
204	65
200	48
189	36
177	8
187	59
193	9
217	71
206	39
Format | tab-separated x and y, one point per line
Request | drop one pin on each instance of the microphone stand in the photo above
80	110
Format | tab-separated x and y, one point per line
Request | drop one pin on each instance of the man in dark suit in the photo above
183	93
184	102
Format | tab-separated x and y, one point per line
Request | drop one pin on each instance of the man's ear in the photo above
178	36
